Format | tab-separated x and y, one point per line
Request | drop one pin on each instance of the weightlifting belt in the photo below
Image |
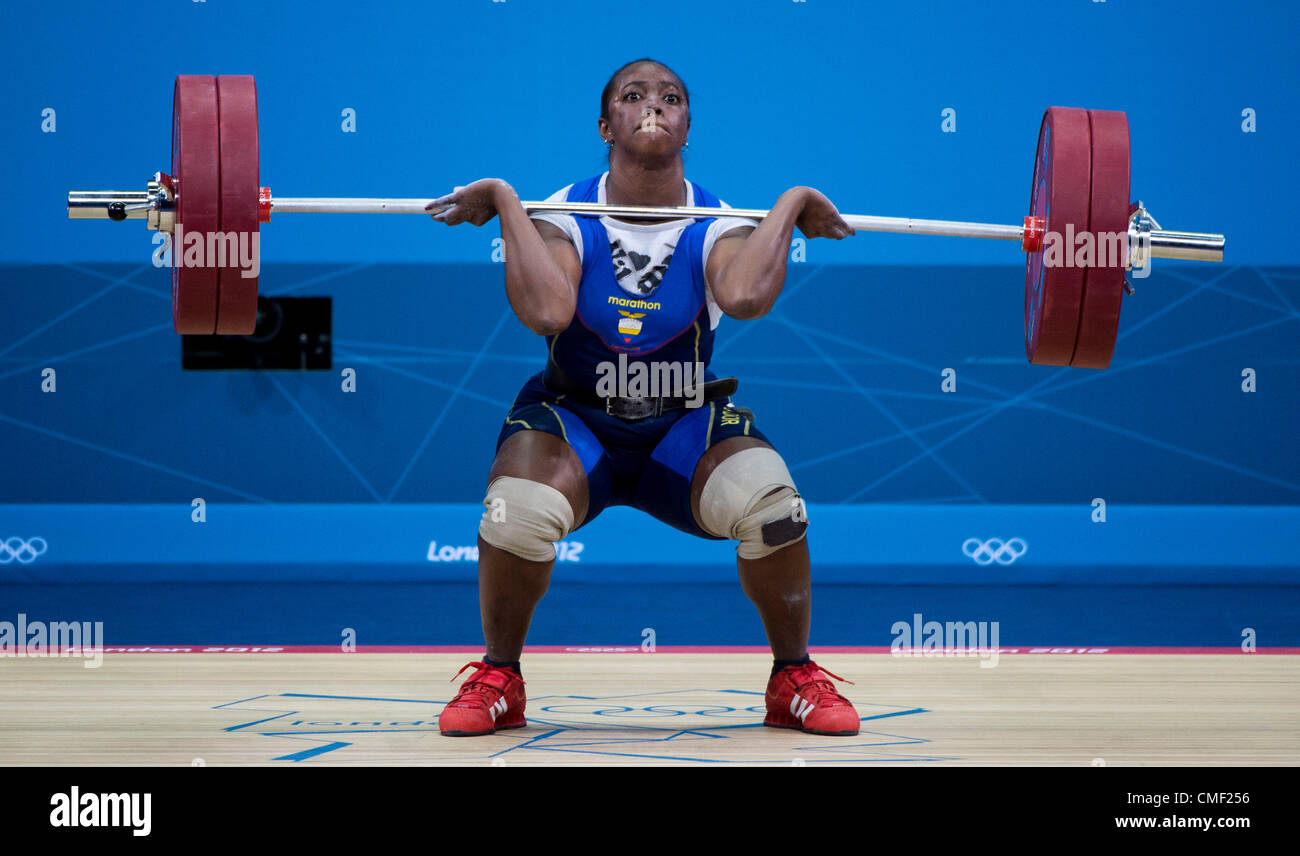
632	409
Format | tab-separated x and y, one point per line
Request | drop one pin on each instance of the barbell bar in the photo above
1164	244
1078	199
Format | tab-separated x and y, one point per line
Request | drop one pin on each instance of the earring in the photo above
609	144
687	146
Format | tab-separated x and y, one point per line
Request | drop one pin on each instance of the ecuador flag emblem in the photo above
630	324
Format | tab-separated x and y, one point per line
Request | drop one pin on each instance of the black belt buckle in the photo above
634	409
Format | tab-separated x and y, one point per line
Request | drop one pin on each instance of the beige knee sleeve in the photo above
735	503
525	518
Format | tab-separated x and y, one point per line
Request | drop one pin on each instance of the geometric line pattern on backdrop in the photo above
845	379
1029	397
451	399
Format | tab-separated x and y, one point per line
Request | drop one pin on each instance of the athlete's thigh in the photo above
710	460
545	442
674	476
542	457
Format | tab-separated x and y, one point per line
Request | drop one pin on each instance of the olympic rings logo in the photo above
994	550
22	551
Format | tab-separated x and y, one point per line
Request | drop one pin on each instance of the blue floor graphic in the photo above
692	726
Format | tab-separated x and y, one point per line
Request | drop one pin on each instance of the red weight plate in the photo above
1103	285
237	112
196	173
1059	194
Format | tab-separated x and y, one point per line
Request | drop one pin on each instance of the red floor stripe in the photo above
477	650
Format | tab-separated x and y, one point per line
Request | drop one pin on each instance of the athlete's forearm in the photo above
538	290
753	279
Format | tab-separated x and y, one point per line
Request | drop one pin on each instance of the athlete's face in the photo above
648	113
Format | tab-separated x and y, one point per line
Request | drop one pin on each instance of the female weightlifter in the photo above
609	294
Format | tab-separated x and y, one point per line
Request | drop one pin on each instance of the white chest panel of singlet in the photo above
641	251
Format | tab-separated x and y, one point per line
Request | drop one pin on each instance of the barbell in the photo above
1080	237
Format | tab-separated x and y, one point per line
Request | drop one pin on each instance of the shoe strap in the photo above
484	670
816	675
829	672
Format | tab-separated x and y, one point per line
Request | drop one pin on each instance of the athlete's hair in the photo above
609	87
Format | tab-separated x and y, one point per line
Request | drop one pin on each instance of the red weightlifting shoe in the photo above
801	697
490	700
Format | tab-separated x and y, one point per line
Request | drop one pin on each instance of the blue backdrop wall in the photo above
843	95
